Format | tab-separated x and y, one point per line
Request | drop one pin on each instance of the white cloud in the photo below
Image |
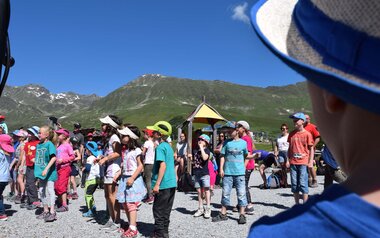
240	13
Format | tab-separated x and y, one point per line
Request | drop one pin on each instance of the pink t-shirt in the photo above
248	139
130	161
66	154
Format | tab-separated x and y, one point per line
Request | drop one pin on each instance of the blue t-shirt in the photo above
264	154
5	161
335	213
234	152
328	158
164	153
44	153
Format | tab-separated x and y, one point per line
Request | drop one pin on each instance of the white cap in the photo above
108	120
244	124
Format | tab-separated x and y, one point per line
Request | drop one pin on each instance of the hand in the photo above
221	174
190	156
287	164
130	181
44	172
156	189
59	161
102	161
32	160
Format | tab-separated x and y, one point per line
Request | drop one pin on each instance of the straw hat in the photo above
333	43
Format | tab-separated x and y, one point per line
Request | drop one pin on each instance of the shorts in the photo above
201	181
60	186
134	193
299	178
269	160
108	180
74	170
282	156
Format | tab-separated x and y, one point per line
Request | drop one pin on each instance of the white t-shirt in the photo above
94	172
130	161
181	149
114	166
149	154
282	143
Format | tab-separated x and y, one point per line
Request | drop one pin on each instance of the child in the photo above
111	160
300	153
201	175
30	147
65	155
92	180
148	155
20	166
46	173
232	170
6	150
72	185
164	181
335	45
131	186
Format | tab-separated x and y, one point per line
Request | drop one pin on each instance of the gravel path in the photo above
22	223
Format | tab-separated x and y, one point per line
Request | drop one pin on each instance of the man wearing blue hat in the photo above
335	44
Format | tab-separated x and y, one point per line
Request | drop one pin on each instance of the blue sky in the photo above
96	46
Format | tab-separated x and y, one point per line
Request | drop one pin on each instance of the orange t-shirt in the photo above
299	143
313	130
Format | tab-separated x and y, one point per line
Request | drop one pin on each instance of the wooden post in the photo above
189	144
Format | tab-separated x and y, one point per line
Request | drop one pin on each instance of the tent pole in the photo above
189	144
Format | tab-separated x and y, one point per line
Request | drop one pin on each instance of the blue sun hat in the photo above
93	147
334	44
205	138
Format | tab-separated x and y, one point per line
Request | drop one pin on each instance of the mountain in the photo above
154	97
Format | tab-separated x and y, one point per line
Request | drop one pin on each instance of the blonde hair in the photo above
53	137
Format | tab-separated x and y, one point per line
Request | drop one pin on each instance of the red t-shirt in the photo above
313	130
30	151
299	142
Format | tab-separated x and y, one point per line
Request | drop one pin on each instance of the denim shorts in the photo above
201	181
299	178
282	156
237	181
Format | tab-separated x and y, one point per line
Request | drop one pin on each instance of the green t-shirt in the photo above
43	154
164	153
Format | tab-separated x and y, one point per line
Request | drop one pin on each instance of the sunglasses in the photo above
284	128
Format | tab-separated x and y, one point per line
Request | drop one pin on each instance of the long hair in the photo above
132	143
110	129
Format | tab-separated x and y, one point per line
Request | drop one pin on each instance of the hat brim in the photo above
7	148
272	22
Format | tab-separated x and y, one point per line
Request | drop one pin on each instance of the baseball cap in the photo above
2	117
205	138
89	134
149	132
163	127
63	131
6	143
298	115
243	124
93	147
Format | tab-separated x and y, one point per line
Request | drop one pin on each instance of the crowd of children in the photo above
46	163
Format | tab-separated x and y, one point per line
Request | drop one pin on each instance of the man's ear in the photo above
333	104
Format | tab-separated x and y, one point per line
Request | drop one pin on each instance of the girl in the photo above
131	188
65	155
46	173
6	150
92	180
111	160
72	194
20	166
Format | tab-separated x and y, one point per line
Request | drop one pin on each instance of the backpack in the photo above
273	180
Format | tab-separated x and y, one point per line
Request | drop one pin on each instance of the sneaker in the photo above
93	209
130	233
51	217
3	217
199	212
33	206
17	199
110	225
220	217
63	209
88	214
242	219
43	215
314	184
69	196
150	200
207	213
74	196
249	210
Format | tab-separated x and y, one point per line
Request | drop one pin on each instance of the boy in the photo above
232	169
335	45
163	179
6	150
148	155
300	153
201	175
